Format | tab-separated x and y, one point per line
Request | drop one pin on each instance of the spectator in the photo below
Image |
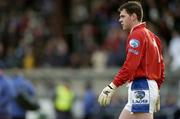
115	44
177	114
61	53
20	84
2	63
28	61
174	50
49	53
170	107
6	95
63	100
99	59
89	102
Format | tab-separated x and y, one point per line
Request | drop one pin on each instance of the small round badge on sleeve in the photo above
134	43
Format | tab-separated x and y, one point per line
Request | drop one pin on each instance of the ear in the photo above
134	17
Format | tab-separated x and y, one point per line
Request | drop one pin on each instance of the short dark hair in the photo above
133	7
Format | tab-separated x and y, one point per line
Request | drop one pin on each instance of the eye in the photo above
122	17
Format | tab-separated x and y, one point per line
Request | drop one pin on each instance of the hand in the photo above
106	95
157	105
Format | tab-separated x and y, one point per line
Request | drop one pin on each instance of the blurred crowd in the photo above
17	95
79	33
63	101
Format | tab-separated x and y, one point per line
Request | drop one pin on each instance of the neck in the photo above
134	24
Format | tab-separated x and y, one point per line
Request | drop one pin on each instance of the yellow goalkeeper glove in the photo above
106	94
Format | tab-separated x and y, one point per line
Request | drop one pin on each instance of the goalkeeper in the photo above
143	68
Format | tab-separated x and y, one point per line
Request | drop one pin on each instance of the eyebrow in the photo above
122	15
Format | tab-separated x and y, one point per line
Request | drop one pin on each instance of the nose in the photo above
120	20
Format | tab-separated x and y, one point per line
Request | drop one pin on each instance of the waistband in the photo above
143	77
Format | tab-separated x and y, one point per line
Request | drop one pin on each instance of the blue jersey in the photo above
19	84
6	94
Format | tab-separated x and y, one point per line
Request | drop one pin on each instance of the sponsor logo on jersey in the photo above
133	51
134	43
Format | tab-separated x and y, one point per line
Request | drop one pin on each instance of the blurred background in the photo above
80	44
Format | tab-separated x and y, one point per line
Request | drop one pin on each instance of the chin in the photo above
124	28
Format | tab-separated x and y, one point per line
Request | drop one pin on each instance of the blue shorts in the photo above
142	96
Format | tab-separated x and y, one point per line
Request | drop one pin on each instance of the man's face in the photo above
125	20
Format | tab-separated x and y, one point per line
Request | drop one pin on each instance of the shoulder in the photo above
138	33
158	40
136	37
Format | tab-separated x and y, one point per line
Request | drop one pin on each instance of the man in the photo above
174	49
20	85
90	108
63	100
6	96
143	68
